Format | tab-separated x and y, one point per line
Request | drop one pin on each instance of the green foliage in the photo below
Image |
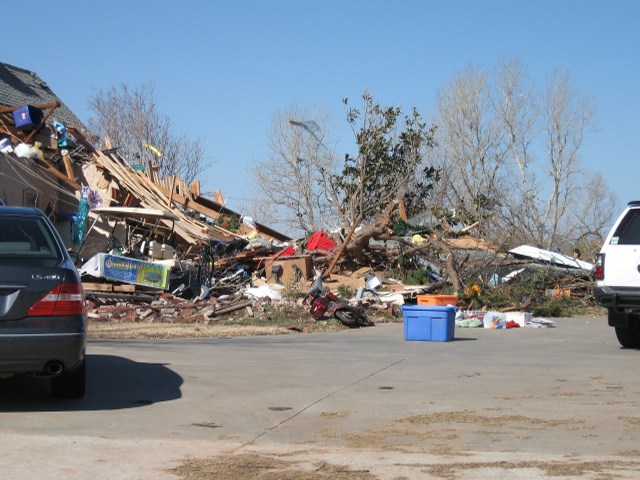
528	292
400	227
293	291
229	222
555	307
345	291
417	277
388	164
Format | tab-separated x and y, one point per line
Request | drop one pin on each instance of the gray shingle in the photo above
20	87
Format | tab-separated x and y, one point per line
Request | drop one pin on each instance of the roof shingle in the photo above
20	87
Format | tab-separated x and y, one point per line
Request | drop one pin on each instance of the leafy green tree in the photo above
389	164
388	171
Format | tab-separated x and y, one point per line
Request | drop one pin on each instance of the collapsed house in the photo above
48	161
37	163
141	238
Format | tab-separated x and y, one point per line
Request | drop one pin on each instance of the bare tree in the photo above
129	118
567	118
294	180
471	151
515	104
490	141
591	219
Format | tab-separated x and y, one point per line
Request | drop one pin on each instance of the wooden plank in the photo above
124	288
195	188
42	122
81	138
98	287
151	196
68	167
59	174
173	185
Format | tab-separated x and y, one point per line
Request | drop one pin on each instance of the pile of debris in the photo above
156	249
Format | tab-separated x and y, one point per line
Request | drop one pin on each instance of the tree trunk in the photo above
452	271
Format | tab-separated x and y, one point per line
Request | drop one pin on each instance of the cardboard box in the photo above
519	317
127	270
289	270
436	324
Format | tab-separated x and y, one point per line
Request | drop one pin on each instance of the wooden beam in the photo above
41	107
81	138
195	188
68	167
173	187
337	256
42	122
193	205
69	181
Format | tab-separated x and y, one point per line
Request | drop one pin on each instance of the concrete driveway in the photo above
517	404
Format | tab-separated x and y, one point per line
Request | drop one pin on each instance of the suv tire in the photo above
629	335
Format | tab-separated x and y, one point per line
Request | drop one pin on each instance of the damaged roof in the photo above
19	87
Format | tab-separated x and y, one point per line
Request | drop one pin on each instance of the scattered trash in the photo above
265	291
159	245
323	302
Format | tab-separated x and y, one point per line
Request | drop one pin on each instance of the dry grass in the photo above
253	466
552	469
261	467
433	432
472	418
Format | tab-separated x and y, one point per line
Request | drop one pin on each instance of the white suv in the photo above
617	274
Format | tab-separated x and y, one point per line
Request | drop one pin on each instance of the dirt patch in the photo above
263	467
104	330
228	327
335	414
472	418
254	466
433	432
603	469
631	421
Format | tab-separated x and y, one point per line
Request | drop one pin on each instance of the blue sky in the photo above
222	69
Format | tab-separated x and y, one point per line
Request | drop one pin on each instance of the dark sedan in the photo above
42	306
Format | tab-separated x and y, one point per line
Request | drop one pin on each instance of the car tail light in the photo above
598	273
63	299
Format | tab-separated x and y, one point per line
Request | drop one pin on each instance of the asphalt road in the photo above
518	404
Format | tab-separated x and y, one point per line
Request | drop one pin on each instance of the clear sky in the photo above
223	68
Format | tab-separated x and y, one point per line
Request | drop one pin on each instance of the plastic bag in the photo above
26	151
494	320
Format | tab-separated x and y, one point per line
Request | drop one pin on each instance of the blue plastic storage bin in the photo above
27	117
434	324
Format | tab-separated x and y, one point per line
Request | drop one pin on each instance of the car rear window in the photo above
27	237
628	231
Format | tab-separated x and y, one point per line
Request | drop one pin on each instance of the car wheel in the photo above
629	336
70	384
